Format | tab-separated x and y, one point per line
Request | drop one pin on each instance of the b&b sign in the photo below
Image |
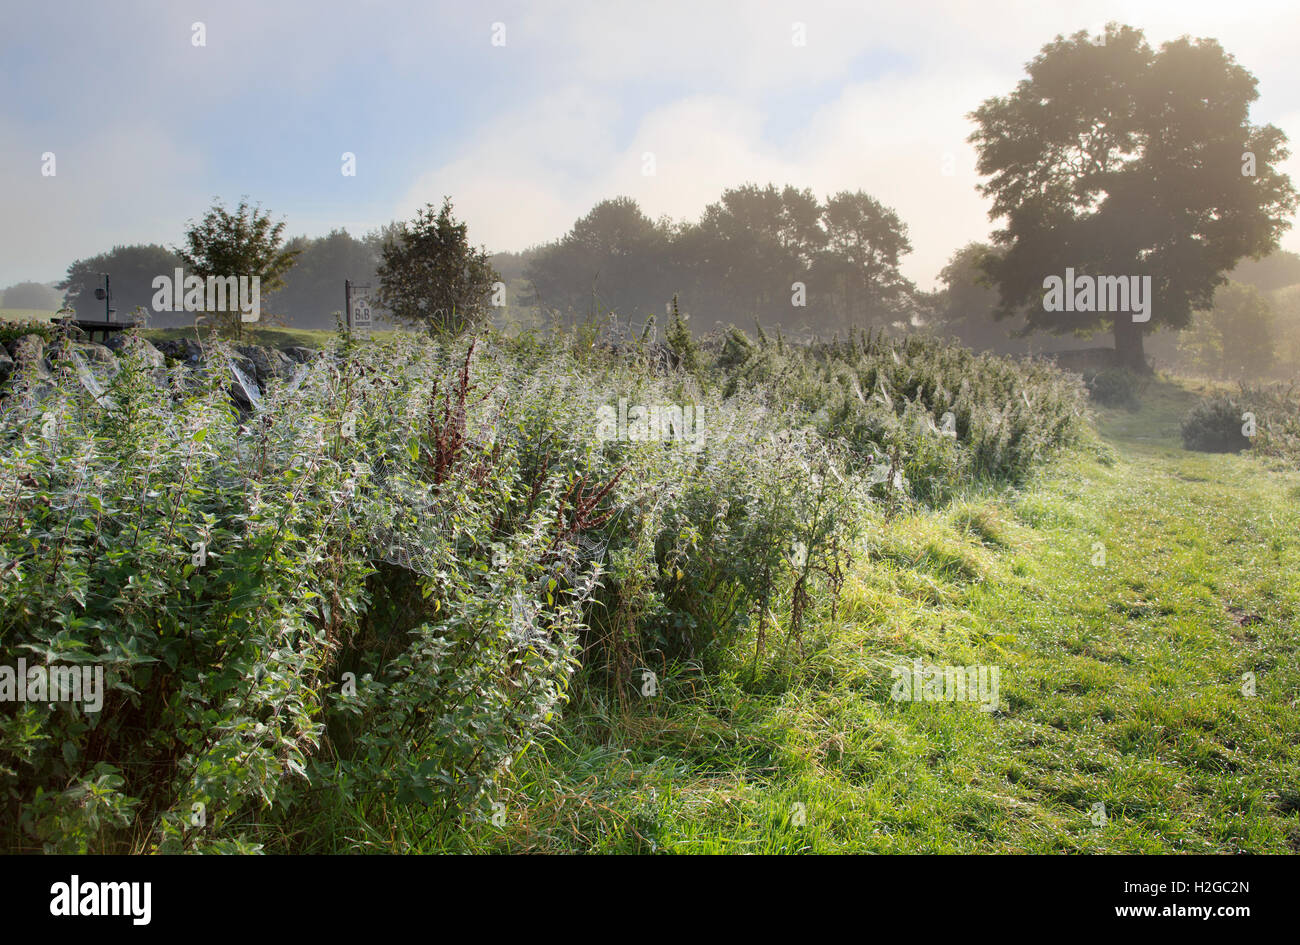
360	320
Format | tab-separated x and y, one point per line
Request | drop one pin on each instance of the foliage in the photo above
221	570
1113	387
966	305
1114	159
740	260
1235	337
613	252
889	401
1276	409
12	331
1214	425
240	243
430	276
313	288
35	296
132	270
1262	418
361	600
865	242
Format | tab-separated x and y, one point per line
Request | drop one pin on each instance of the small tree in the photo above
431	276
242	243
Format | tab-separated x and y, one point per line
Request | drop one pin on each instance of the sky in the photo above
527	114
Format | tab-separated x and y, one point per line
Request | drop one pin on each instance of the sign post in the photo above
358	309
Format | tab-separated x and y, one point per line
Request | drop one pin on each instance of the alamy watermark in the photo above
1073	293
639	423
84	684
919	683
77	898
182	293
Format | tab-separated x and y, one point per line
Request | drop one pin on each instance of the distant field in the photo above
271	337
26	315
276	337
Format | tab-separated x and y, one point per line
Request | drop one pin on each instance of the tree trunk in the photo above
1128	345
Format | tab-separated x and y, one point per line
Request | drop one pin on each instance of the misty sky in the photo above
147	129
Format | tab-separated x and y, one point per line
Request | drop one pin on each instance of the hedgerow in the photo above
370	588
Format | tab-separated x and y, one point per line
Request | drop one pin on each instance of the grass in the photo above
1121	683
26	315
267	335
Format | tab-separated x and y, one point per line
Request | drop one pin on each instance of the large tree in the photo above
430	275
865	240
245	242
615	251
1112	159
748	249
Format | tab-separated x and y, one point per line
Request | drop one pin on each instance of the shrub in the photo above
1214	425
12	331
1113	387
1276	410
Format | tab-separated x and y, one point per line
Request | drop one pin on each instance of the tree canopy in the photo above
1111	159
430	275
313	288
241	243
773	255
132	270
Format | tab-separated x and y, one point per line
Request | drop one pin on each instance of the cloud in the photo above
527	137
899	134
110	186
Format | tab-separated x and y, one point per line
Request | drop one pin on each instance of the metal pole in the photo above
108	297
347	303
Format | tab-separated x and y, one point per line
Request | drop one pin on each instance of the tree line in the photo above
1110	166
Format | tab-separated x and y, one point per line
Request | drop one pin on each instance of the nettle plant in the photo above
356	600
697	531
235	577
924	417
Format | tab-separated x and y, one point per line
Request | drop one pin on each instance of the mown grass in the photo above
1121	684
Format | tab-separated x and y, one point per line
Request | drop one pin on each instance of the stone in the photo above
186	350
29	348
302	354
137	345
96	353
244	389
268	363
